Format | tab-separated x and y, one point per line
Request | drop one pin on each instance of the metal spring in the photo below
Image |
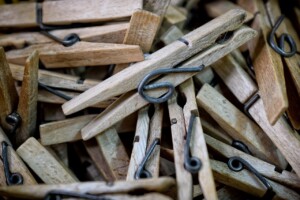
143	84
55	92
191	163
249	103
236	164
11	178
15	120
60	194
68	40
241	146
141	172
284	37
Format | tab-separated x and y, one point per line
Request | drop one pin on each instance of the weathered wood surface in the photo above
134	101
55	79
237	124
67	130
114	153
38	192
139	143
55	55
142	29
268	170
67	12
183	177
8	92
110	33
16	165
166	57
42	162
198	145
27	107
157	7
245	180
268	67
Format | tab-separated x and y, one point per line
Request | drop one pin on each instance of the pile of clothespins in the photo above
150	99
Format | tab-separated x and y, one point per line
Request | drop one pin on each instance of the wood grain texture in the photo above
268	170
142	29
114	153
155	130
98	158
174	17
16	165
162	184
157	7
54	79
55	55
120	109
236	124
281	134
67	12
268	68
50	170
183	177
233	74
139	143
63	131
247	182
198	145
8	92
215	9
110	33
27	107
171	35
166	57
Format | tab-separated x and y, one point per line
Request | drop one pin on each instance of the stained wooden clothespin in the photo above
65	12
142	29
110	33
281	134
13	170
268	170
145	156
22	114
178	51
247	180
162	185
44	164
79	54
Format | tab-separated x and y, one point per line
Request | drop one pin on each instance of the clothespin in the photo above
44	164
178	51
12	168
145	156
142	29
161	185
134	101
65	12
281	134
268	170
22	115
240	174
107	33
197	141
79	54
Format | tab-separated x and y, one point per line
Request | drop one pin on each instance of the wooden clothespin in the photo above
142	29
134	101
145	156
44	164
197	141
268	170
79	54
247	181
22	114
178	51
66	12
110	33
281	134
161	185
13	170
